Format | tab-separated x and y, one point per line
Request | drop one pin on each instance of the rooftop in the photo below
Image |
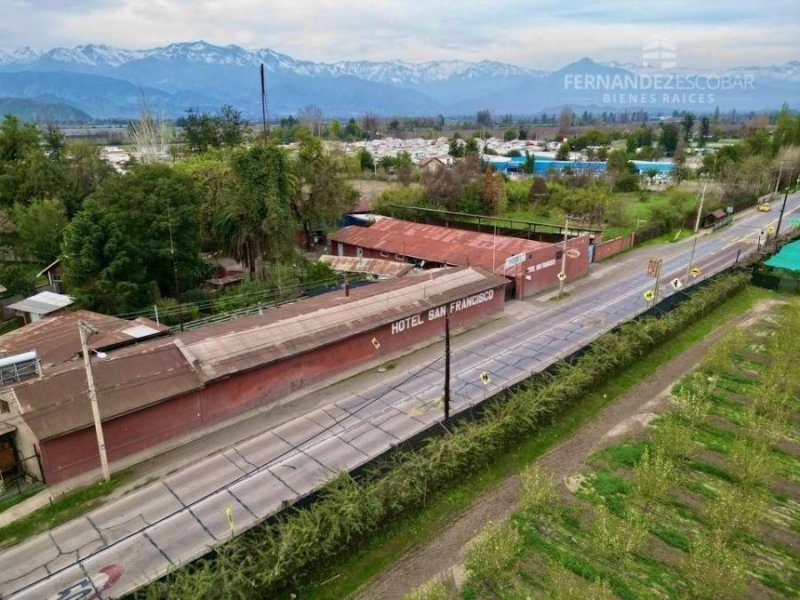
56	339
42	303
369	266
154	371
436	244
788	258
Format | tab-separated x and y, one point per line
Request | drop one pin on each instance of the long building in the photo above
160	390
536	264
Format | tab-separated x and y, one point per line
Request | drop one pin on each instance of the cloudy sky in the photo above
535	33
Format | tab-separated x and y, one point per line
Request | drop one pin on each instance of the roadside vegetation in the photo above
704	506
279	555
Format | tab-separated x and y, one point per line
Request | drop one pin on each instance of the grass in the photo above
59	511
385	547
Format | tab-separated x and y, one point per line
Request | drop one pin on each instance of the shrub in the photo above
490	555
653	476
617	539
736	511
431	590
715	570
539	496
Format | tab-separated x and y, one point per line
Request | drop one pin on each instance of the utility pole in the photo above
778	182
263	104
780	218
658	282
563	277
446	395
700	208
85	330
691	261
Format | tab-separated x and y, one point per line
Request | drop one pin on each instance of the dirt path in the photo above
626	416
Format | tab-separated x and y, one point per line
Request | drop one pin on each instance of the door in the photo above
340	248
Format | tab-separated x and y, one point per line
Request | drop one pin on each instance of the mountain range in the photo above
107	82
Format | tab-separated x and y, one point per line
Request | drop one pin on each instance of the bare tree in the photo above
311	116
150	136
565	121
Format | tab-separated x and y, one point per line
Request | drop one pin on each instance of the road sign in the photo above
485	378
573	253
676	283
649	295
653	266
515	259
695	272
562	276
376	343
771	229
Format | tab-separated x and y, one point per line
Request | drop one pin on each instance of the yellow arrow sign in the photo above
376	343
649	295
485	378
695	272
771	229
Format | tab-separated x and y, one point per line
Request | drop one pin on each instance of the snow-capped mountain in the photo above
105	81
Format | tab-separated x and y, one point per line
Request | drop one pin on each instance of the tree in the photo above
484	118
365	160
352	131
705	131
688	126
565	122
456	148
231	126
18	280
16	139
471	147
54	142
40	227
563	151
311	116
318	195
669	137
509	134
493	193
85	171
121	242
254	223
199	131
370	125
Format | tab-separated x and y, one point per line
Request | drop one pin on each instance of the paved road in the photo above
139	537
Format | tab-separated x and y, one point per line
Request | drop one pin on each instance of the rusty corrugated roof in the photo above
369	266
58	404
316	324
56	338
433	243
135	377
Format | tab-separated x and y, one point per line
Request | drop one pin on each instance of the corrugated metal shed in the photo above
58	404
369	266
296	332
42	303
436	244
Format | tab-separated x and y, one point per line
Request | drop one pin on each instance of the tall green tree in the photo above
123	245
669	137
687	123
255	223
319	195
40	228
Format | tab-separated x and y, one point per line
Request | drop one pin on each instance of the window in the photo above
4	407
559	254
399	257
384	253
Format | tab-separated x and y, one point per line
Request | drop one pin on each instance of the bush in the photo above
538	494
432	590
715	570
491	553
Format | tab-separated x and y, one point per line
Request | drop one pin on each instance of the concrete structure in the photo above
166	388
432	246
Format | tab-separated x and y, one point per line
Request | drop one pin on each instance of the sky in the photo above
541	34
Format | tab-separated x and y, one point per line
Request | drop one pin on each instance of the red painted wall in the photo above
612	247
75	453
540	271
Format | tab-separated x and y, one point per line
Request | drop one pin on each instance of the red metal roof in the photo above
56	338
370	266
436	244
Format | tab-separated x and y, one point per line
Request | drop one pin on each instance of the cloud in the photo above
541	34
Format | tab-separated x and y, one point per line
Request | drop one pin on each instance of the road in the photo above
139	537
